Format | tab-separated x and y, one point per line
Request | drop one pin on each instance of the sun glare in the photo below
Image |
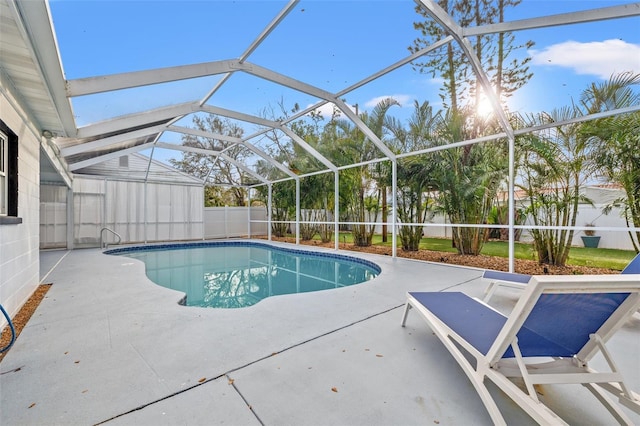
484	108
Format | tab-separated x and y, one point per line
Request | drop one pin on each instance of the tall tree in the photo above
217	171
460	87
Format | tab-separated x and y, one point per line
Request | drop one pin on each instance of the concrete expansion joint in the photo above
200	383
231	380
249	406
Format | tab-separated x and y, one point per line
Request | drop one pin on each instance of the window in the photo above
4	150
8	176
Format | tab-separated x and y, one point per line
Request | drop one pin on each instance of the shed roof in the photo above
138	167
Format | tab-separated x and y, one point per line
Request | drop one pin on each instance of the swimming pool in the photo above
236	274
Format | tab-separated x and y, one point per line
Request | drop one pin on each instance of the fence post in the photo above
269	206
249	213
226	219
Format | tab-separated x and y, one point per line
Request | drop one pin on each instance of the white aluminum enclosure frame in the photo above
80	147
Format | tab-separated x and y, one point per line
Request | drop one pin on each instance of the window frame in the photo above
10	192
4	167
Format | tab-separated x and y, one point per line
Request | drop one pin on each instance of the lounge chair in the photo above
513	280
633	267
566	319
503	279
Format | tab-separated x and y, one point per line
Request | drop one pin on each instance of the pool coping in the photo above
244	298
243	243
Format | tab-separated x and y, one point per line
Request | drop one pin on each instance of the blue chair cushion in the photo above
559	324
506	276
633	267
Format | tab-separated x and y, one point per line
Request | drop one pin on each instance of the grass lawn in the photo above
579	256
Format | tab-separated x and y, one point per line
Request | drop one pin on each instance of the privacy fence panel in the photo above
159	212
88	211
53	216
175	212
233	222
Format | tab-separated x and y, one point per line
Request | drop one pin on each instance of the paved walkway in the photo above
106	345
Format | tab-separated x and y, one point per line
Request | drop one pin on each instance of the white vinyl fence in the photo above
231	222
174	212
138	212
53	216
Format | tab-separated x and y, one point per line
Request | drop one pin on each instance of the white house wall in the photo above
19	254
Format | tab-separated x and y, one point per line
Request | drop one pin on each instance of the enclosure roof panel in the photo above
135	76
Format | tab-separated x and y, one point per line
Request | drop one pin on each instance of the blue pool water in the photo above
240	274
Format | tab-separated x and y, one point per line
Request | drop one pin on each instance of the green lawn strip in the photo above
579	256
600	257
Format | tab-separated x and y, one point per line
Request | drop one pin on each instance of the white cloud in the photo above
326	110
601	58
401	99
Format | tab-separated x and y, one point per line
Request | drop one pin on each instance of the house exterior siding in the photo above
19	255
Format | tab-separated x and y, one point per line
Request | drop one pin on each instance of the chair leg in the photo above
476	376
477	380
615	411
536	409
488	292
407	307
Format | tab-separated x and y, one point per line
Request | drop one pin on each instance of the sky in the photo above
330	44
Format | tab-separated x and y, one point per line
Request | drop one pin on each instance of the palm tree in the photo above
416	184
345	141
378	121
468	178
316	191
554	164
614	142
283	201
350	146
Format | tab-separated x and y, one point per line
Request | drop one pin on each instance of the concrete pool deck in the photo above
108	346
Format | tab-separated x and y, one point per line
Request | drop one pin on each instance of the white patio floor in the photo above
106	345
